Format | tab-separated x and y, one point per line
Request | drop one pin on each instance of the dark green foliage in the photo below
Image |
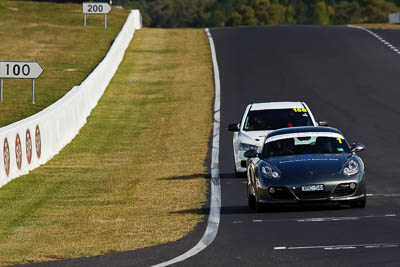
219	13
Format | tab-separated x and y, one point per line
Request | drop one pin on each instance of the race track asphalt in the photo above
346	76
351	79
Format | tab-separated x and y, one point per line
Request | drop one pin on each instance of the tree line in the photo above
219	13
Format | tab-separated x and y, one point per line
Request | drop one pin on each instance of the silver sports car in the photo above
305	164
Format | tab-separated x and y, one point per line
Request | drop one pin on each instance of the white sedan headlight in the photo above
246	147
351	168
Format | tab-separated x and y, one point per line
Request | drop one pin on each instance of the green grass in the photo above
52	34
135	174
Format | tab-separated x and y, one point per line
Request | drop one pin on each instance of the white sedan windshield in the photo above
272	119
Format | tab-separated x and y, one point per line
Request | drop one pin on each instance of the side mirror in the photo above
357	147
234	127
251	153
323	123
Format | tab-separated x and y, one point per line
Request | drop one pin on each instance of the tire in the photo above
240	174
251	201
360	204
237	174
258	206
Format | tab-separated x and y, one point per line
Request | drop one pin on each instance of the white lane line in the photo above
330	219
392	47
215	205
326	219
383	195
337	247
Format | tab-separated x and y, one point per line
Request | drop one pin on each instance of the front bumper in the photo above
333	192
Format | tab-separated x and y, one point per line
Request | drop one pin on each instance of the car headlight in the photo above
351	168
246	147
269	172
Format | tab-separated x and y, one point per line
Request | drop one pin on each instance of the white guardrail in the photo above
33	141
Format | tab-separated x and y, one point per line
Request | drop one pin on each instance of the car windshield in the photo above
272	119
305	145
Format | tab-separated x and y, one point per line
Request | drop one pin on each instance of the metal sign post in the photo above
20	70
95	8
1	90
33	91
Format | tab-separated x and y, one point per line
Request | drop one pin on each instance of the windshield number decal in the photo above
300	110
339	140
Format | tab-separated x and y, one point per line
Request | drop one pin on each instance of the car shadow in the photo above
186	177
201	176
244	209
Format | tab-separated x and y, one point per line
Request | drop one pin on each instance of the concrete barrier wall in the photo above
31	142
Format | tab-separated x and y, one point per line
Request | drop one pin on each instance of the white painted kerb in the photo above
61	122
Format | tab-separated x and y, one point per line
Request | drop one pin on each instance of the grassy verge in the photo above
379	26
135	174
52	34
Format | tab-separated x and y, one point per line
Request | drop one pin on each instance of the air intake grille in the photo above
282	193
343	190
313	195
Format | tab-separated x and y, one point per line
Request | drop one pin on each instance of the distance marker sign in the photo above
96	8
20	69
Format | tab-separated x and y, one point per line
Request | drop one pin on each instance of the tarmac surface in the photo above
346	76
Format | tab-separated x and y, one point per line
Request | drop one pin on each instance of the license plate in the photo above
317	187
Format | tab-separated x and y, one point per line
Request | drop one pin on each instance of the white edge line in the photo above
215	205
352	246
376	36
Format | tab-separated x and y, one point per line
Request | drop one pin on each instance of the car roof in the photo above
276	105
304	129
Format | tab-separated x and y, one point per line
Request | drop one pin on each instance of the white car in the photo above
259	119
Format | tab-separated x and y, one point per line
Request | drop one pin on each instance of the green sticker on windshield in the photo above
340	149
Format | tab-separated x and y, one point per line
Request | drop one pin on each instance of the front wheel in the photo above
259	206
251	201
358	203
